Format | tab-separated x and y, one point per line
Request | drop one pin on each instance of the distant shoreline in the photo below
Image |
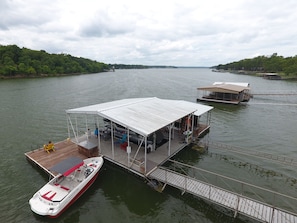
19	76
258	74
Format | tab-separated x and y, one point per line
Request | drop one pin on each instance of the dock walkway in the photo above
233	201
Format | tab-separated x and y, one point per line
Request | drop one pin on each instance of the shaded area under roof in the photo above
143	115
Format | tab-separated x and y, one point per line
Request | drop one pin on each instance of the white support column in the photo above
189	122
169	142
99	138
129	152
145	151
75	134
87	128
128	137
76	126
68	116
128	149
192	129
112	141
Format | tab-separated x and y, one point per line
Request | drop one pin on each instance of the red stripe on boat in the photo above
49	198
65	188
76	197
73	168
46	194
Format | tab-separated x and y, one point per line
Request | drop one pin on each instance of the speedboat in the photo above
65	188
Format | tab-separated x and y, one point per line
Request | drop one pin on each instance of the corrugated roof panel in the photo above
243	84
143	115
224	88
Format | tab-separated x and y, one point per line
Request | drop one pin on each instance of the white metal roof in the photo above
242	84
143	115
224	88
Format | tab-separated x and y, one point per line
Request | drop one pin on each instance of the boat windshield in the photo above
88	171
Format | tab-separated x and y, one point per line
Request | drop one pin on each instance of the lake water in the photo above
32	112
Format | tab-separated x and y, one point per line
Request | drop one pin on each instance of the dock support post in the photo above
236	208
163	188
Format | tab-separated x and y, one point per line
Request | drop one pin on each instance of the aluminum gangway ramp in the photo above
239	204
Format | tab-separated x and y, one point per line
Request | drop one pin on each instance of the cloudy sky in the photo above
154	32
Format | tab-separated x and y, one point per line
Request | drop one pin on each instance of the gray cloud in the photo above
104	24
24	14
181	33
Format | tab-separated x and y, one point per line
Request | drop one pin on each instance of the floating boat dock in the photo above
140	135
271	76
137	134
225	92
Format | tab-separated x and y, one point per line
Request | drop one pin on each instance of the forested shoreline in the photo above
23	62
18	62
286	67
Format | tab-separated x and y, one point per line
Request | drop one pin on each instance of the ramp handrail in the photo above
245	187
184	186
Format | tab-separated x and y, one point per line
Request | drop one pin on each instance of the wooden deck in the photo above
239	204
45	161
134	162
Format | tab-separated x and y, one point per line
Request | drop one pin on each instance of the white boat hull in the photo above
63	190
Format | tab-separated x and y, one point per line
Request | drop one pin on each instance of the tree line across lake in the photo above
269	64
15	61
23	62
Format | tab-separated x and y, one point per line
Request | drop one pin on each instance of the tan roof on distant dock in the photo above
224	88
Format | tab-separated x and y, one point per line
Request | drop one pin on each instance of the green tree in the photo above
273	63
17	61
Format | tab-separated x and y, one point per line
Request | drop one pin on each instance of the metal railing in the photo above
253	204
272	198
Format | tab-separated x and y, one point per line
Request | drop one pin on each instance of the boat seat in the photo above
122	140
